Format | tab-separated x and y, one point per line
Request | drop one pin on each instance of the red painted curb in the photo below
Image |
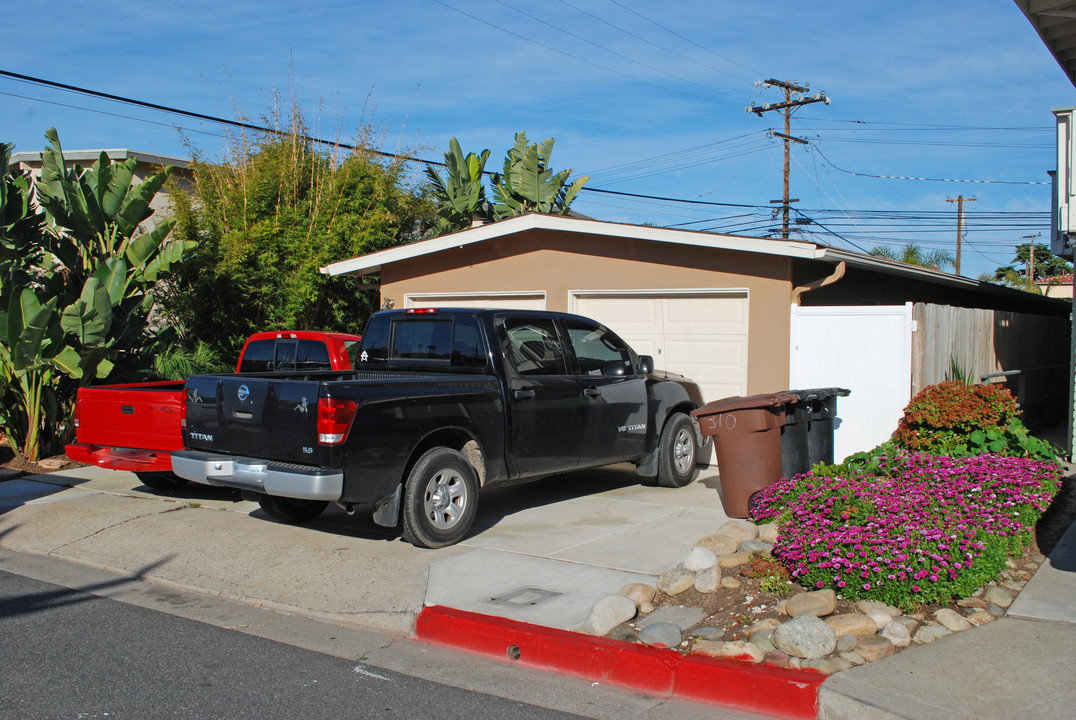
654	671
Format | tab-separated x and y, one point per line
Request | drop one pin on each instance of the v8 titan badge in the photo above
243	393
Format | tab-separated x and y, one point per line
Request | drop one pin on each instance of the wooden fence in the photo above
976	342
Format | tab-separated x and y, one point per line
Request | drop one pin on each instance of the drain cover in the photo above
523	597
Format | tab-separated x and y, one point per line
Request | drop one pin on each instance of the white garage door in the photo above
508	300
700	334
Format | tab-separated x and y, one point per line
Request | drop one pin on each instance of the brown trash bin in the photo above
747	440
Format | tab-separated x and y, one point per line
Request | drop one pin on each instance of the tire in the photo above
163	481
291	510
678	451
440	499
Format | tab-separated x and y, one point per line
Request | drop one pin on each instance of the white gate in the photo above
865	349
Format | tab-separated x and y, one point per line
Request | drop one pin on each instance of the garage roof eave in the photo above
372	263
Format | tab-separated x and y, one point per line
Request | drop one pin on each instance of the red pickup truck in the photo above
136	426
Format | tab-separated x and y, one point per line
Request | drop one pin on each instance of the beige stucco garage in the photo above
712	307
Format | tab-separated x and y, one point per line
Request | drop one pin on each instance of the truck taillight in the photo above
183	412
78	408
334	419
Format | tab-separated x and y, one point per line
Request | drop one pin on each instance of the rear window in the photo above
258	357
456	342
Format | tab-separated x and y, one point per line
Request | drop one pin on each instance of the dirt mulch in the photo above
10	460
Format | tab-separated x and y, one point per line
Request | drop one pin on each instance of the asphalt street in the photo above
71	654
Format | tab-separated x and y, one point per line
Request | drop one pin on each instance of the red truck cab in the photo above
136	426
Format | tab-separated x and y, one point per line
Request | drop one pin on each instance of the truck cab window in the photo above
596	348
532	347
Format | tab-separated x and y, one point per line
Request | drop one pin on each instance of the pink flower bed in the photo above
927	530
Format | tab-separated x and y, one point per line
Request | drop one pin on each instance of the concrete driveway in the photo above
540	553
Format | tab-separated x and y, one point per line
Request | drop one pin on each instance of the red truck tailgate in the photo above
119	426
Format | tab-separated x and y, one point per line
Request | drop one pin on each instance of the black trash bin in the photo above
795	455
807	434
823	412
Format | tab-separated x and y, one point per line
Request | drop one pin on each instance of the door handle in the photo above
523	394
592	392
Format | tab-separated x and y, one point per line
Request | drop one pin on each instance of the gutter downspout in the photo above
837	274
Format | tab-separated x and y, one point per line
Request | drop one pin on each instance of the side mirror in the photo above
646	364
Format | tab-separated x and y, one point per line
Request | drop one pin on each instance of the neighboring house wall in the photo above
564	264
147	164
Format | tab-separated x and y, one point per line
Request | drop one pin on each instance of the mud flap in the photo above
387	509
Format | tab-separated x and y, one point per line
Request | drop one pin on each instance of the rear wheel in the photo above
161	480
440	499
291	510
678	451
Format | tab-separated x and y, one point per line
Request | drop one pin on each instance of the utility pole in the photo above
959	200
791	102
1029	271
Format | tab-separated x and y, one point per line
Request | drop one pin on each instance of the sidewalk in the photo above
541	554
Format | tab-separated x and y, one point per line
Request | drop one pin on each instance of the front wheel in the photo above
291	510
164	481
441	498
678	450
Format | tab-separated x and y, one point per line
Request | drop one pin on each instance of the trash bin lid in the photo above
739	402
822	393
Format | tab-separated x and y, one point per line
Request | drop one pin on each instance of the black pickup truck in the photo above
441	403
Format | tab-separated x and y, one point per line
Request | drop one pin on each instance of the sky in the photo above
647	99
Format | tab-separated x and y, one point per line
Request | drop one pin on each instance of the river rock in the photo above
854	658
638	592
777	659
930	633
661	634
675	581
719	544
805	636
817	603
846	643
874	647
823	665
952	620
972	602
699	558
735	559
767	624
731	583
762	640
897	633
910	624
995	610
708	633
868	606
768	533
742	651
880	618
708	580
997	596
708	647
852	624
607	612
981	617
740	530
754	547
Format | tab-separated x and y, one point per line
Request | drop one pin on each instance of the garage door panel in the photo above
705	315
700	336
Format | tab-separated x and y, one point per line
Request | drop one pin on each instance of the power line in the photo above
926	179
